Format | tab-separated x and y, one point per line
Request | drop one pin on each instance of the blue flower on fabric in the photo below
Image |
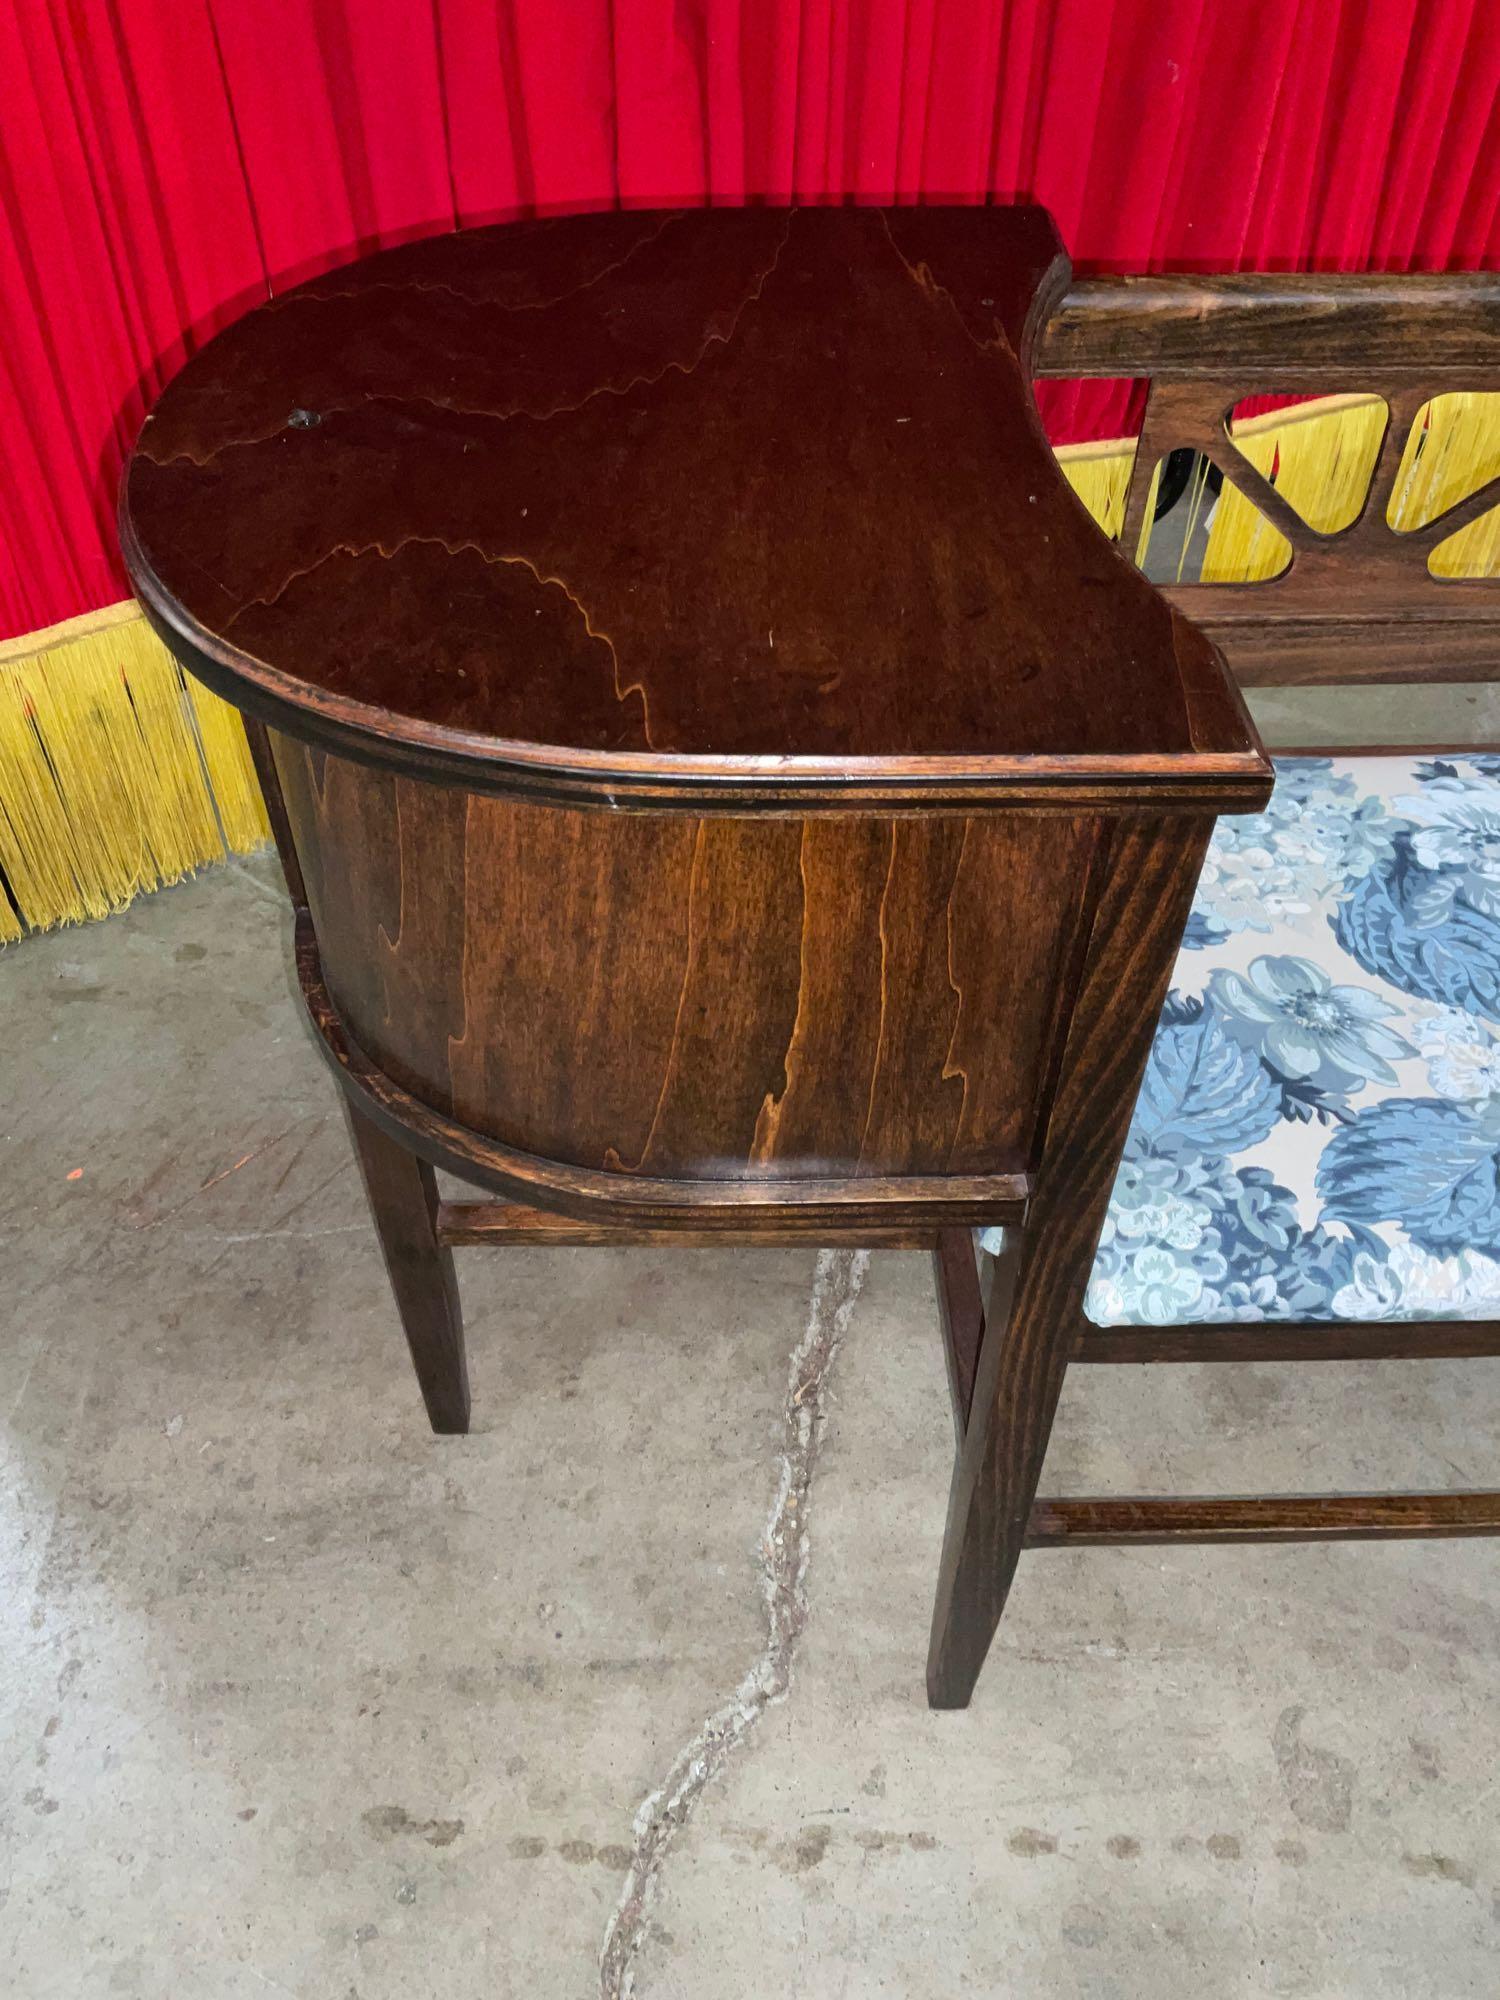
1155	1289
1373	1290
1306	1029
1316	836
1458	836
1463	1056
1427	920
1155	1202
1276	1268
1202	1240
1259	1215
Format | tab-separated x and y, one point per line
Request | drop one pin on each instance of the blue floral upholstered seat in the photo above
1318	1134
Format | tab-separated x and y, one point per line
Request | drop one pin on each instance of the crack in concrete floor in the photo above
784	1558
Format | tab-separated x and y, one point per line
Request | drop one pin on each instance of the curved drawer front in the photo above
715	996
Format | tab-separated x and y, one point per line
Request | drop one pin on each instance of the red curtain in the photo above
164	162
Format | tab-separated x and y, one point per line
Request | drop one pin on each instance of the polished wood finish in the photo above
1281	326
829	998
1392	618
1428	748
482	1224
730	791
1358	605
402	1191
639	1200
1139	899
679	508
1300	1517
1327	649
259	739
1293	1340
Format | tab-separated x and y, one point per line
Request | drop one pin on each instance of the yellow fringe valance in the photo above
117	774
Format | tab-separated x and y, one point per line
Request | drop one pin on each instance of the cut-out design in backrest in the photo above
1389	497
1199	527
1318	452
1451	450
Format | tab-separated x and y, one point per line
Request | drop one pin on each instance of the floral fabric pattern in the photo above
1318	1132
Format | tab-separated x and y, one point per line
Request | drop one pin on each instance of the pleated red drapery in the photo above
164	162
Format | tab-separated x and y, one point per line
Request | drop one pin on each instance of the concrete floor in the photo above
295	1698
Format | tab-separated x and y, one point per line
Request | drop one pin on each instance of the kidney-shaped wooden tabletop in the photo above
747	507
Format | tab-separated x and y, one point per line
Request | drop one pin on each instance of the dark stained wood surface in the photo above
1329	644
681	507
1299	1517
259	739
1281	328
729	788
402	1192
732	1202
1362	600
483	1224
1137	902
955	1272
660	995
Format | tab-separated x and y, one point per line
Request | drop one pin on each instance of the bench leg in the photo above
1136	910
402	1192
994	1483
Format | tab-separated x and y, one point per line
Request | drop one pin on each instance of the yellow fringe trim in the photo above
1100	475
231	770
113	778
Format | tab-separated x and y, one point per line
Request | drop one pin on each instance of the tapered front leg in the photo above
1024	1358
1142	891
402	1191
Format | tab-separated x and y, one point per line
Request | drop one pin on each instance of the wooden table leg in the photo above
1146	875
402	1191
994	1483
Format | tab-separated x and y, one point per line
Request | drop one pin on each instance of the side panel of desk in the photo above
700	996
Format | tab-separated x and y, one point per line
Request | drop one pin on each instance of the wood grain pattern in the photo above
487	1224
1372	583
402	1193
955	1272
818	998
667	508
1285	328
1322	647
729	790
929	1201
1301	1517
258	737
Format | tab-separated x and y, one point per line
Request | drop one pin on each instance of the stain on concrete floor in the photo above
296	1698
